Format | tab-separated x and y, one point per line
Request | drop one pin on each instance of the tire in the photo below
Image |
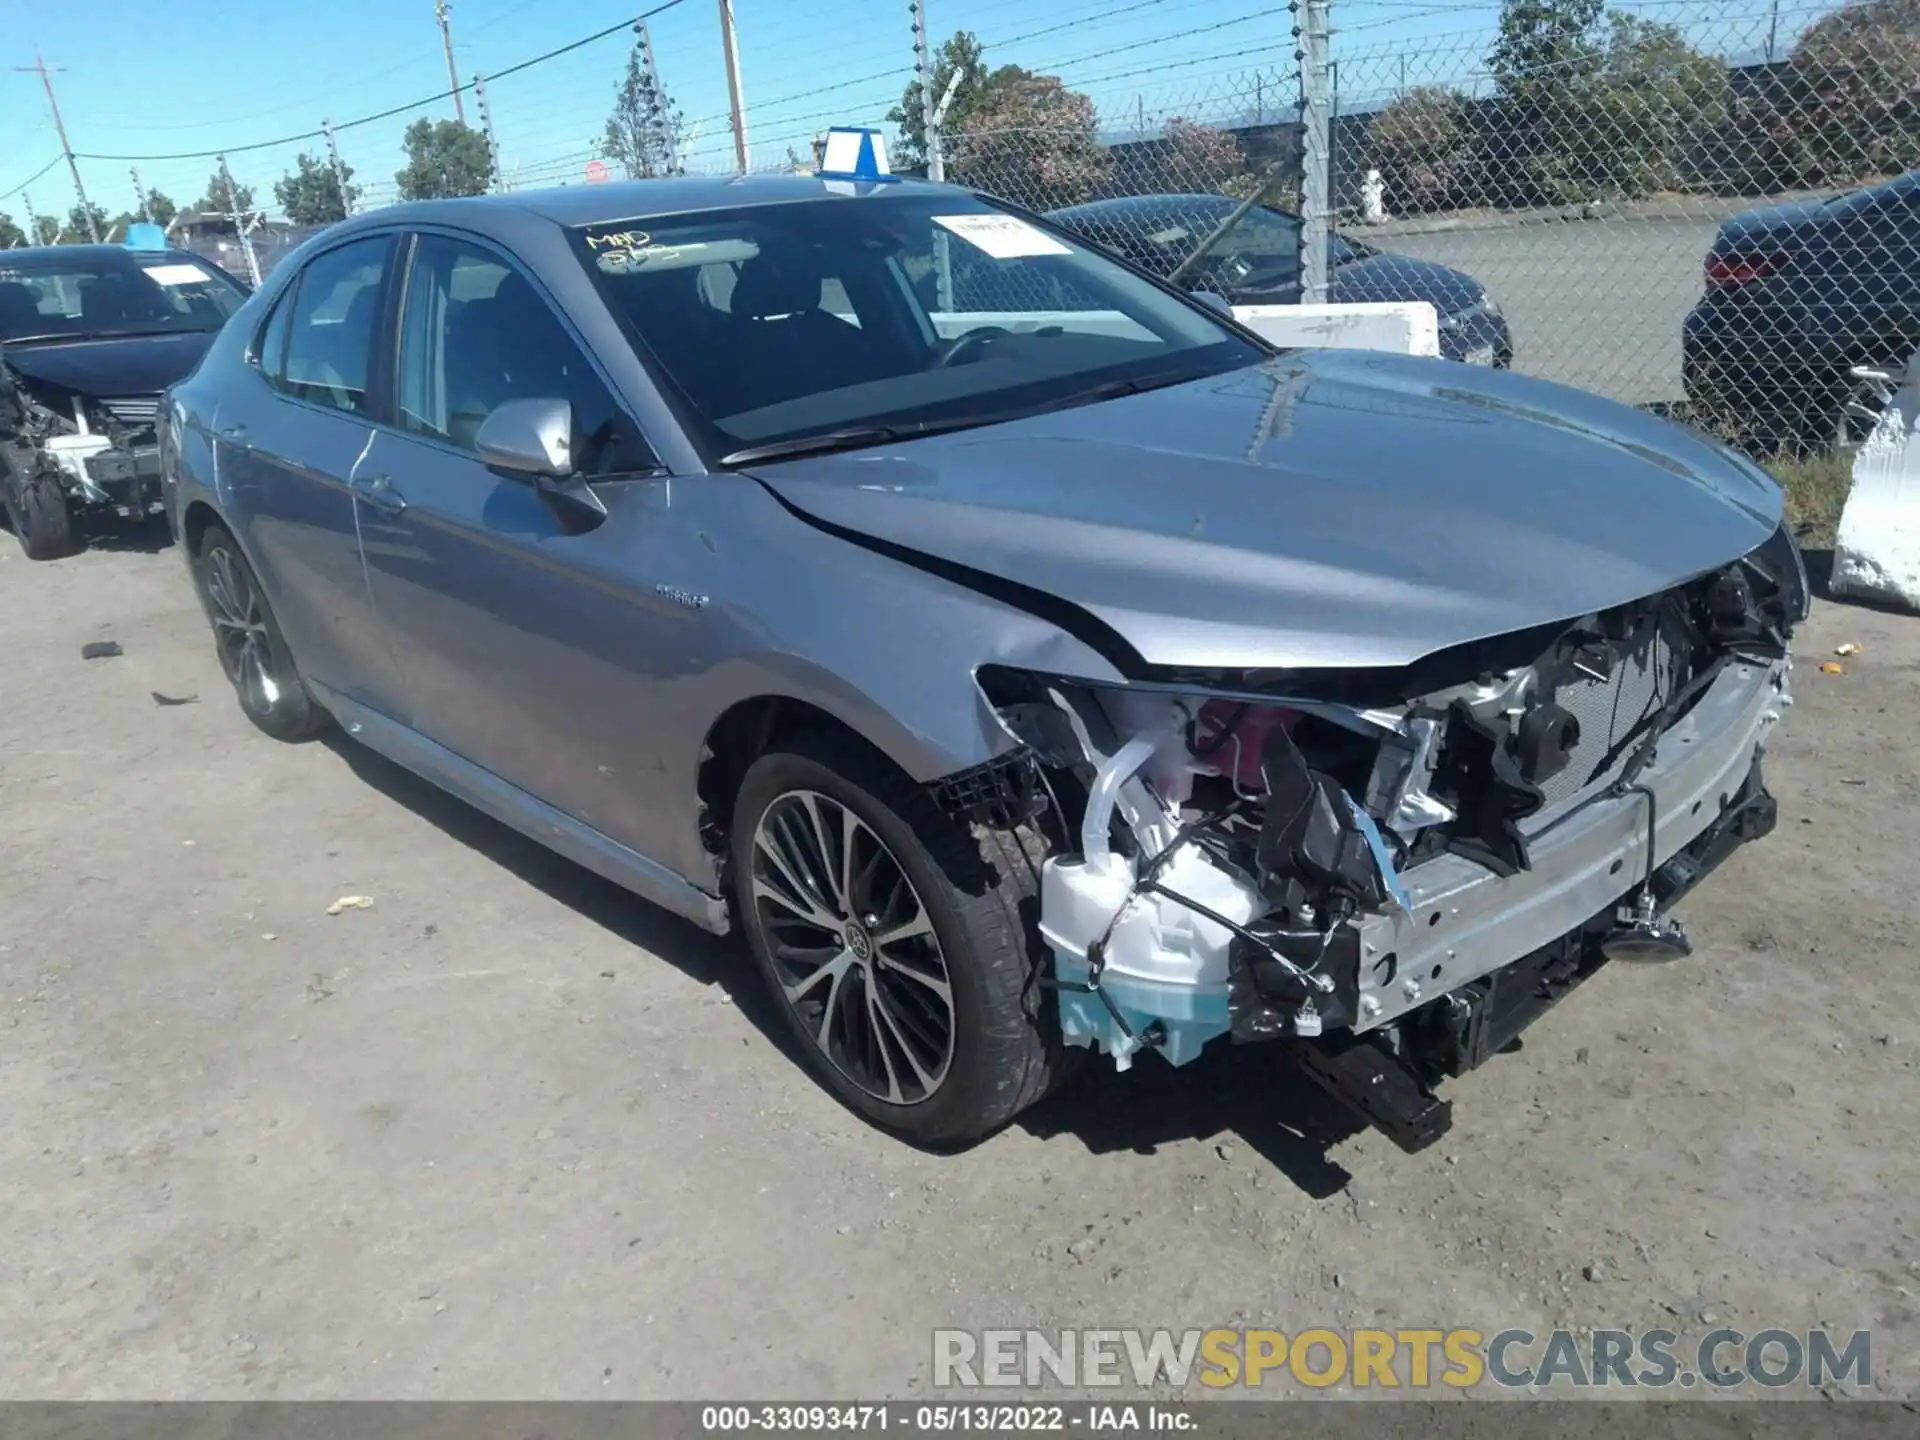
976	891
247	639
38	516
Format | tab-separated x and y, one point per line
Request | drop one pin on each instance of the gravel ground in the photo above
509	1133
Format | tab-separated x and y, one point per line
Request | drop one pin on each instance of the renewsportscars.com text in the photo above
1399	1359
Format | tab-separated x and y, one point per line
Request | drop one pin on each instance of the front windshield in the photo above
130	294
902	312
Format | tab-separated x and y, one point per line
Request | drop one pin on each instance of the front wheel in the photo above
895	940
37	511
252	651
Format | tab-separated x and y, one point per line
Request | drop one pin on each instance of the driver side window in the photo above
475	334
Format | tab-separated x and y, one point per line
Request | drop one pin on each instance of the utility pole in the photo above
33	220
486	126
661	117
140	194
443	12
39	67
731	47
339	170
239	224
1312	31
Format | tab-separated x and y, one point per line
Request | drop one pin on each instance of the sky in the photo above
134	80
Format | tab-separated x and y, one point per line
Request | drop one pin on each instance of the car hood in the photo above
1377	278
1325	509
110	365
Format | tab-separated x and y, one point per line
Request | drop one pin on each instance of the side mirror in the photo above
532	438
1214	301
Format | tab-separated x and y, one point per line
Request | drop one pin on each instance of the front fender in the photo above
888	650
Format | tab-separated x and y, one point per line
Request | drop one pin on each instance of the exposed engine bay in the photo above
1395	872
99	454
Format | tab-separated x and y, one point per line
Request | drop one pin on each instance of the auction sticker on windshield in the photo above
176	274
1004	237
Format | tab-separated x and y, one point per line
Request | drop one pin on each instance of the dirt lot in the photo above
509	1133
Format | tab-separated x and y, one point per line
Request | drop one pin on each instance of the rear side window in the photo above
270	349
334	315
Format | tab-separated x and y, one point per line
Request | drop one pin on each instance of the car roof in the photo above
56	257
575	205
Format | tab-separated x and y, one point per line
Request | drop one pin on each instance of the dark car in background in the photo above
1797	298
1258	263
89	337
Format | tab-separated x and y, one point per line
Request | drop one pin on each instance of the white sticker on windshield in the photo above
176	274
1004	237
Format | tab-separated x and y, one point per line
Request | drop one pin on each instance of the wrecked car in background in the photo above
89	337
1079	673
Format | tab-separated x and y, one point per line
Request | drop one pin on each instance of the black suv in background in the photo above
1798	296
89	337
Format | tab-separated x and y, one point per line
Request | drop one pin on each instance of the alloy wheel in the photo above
853	947
240	631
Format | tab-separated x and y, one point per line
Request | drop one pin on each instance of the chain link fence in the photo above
1706	207
1688	205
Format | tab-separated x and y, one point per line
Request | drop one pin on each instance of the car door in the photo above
290	447
530	649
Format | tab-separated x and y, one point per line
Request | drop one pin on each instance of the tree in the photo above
160	209
960	53
444	159
46	230
1427	150
1031	140
10	233
1545	47
1203	157
1596	105
1855	88
1654	101
310	193
225	197
645	129
77	222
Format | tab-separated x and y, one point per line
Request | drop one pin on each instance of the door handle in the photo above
380	494
236	436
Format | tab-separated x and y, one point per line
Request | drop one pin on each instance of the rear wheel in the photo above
896	942
247	638
37	513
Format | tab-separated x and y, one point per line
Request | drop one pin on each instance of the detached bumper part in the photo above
1392	1088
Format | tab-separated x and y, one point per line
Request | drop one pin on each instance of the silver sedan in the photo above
1025	658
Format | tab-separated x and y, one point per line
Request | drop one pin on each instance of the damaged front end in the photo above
100	455
1395	872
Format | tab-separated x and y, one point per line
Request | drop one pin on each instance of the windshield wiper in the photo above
851	438
857	436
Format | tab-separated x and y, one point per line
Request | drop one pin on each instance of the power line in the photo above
434	99
1097	19
9	194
